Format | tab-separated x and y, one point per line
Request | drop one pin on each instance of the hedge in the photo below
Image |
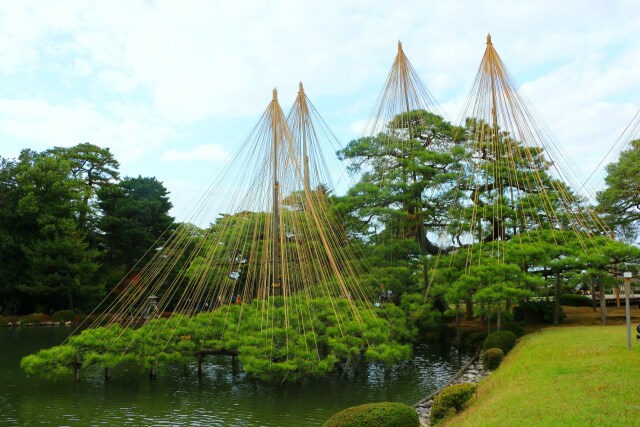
575	300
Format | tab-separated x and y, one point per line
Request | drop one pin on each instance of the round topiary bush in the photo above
454	396
504	340
383	414
491	358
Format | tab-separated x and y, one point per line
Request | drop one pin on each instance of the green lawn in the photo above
571	376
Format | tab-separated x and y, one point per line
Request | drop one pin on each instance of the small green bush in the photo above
492	358
536	312
63	316
454	396
514	327
575	300
504	340
383	414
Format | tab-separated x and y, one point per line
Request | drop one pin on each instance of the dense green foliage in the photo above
504	340
383	414
303	338
575	300
69	228
491	358
454	396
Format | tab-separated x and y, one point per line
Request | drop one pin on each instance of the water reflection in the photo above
220	398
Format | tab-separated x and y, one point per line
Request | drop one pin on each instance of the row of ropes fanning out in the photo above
274	280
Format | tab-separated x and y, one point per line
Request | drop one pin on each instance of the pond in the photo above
221	398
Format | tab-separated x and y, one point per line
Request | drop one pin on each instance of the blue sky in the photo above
172	88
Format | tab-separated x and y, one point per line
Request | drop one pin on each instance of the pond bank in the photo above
471	372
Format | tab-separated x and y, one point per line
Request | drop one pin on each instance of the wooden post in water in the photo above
107	374
458	337
200	362
152	373
234	364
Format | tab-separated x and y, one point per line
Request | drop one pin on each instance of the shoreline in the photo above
471	372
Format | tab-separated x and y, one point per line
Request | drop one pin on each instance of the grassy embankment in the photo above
567	376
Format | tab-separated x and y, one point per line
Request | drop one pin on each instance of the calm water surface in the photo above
221	398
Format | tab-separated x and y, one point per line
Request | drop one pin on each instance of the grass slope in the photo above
571	376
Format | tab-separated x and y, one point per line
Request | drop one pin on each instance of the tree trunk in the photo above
469	308
603	303
425	276
488	315
556	304
70	297
498	325
200	362
9	303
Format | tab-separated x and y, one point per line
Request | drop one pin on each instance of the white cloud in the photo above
129	131
206	152
149	74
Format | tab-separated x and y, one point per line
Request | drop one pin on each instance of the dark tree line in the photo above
70	227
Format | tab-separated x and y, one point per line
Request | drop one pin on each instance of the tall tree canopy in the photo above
95	167
54	261
620	201
135	215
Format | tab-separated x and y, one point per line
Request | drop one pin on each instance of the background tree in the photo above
620	201
12	262
405	190
57	261
95	167
135	219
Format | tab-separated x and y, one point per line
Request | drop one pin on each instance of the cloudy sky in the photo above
173	87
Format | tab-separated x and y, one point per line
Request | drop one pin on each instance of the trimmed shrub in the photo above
516	328
63	316
454	396
504	340
575	300
383	414
536	312
492	358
